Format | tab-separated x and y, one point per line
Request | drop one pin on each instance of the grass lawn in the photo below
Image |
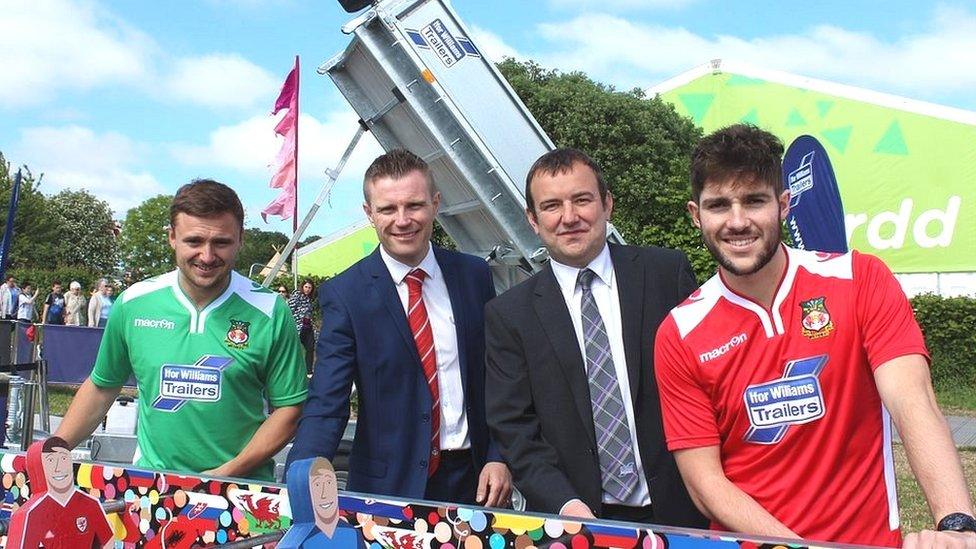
957	401
915	514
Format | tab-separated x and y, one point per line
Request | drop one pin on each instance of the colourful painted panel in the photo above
168	510
908	181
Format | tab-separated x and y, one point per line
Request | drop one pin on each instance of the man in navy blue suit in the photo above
406	325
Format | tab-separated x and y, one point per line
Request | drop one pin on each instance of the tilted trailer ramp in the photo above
417	80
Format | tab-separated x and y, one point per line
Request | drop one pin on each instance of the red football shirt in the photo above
788	393
81	524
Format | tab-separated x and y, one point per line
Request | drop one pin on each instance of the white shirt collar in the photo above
601	265
399	271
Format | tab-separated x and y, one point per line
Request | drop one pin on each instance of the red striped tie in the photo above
423	336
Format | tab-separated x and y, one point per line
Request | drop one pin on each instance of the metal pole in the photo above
27	431
323	194
255	541
45	404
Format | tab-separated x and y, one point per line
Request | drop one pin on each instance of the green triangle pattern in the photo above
697	104
892	142
838	137
739	80
823	107
751	117
795	119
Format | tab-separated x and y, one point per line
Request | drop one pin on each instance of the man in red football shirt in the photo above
778	375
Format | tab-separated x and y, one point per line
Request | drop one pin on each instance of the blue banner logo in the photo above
179	383
449	48
794	399
816	217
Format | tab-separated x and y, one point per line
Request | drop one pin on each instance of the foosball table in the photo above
166	510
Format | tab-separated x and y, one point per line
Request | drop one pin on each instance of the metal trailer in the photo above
417	80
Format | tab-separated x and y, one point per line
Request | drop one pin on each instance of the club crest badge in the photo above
237	335
82	524
816	322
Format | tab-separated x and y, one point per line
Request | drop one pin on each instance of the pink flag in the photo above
286	162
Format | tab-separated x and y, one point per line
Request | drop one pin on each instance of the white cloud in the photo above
75	157
938	61
47	46
492	45
220	80
251	145
52	46
619	5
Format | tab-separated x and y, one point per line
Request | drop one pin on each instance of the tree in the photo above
642	144
258	247
90	229
144	242
36	239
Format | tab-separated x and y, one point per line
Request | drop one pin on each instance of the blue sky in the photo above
132	99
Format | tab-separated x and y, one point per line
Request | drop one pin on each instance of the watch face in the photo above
958	522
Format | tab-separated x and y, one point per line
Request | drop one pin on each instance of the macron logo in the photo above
722	349
153	323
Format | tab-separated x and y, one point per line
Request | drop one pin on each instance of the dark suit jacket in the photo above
538	400
366	340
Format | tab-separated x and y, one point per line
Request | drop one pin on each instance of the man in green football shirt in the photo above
206	346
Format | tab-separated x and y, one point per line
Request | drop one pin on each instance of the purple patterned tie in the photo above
618	466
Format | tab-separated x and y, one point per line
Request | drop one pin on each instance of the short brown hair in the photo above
54	442
206	198
396	164
736	151
561	161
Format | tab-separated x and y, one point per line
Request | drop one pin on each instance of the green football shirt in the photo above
203	375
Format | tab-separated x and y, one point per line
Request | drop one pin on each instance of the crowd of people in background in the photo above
74	308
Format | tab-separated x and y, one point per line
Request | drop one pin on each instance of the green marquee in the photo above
906	169
336	252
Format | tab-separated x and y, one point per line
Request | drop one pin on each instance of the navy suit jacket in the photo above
366	340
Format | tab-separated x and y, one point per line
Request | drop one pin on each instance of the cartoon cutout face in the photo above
58	471
313	497
324	491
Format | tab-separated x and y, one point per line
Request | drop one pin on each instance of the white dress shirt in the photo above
604	289
454	419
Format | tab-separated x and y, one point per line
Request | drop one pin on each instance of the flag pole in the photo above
294	217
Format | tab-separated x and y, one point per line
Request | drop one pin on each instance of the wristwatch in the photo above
957	522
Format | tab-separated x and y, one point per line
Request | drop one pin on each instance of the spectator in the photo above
25	307
9	294
300	303
74	305
53	312
100	305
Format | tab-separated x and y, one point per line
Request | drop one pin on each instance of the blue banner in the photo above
816	218
8	232
70	352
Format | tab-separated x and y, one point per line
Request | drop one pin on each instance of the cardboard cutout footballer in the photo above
57	515
313	494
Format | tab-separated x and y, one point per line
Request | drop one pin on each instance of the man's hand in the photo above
495	484
576	508
946	539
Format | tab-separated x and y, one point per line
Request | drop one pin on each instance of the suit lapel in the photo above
454	281
629	274
383	285
554	317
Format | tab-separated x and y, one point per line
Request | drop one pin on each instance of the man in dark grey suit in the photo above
571	396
